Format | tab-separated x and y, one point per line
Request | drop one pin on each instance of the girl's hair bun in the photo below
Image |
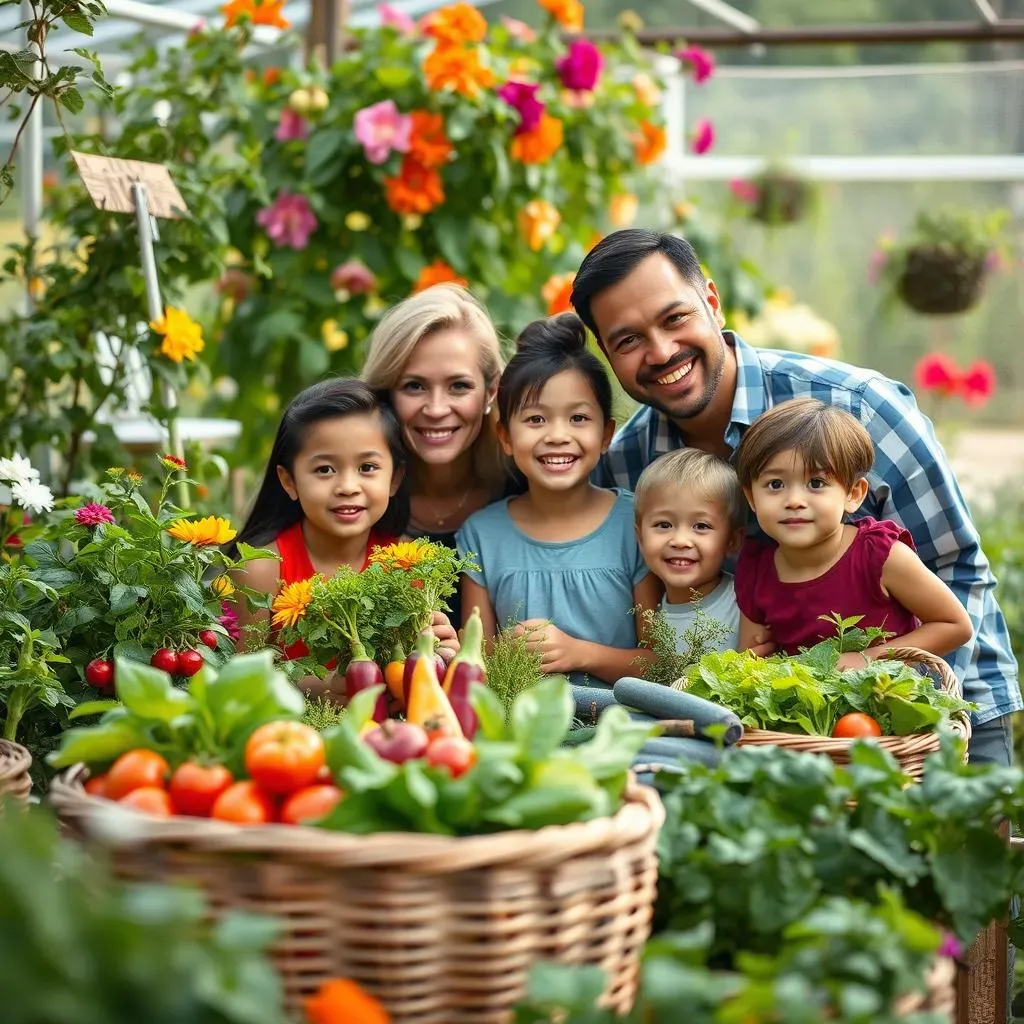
562	333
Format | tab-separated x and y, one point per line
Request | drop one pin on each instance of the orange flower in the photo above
259	12
457	23
568	13
649	143
406	554
271	77
538	221
340	1001
456	69
556	292
428	143
417	189
540	145
622	209
437	272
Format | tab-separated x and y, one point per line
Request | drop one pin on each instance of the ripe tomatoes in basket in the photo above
856	725
244	803
454	753
150	800
284	756
194	787
136	769
310	804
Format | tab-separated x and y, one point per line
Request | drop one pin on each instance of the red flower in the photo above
701	63
937	372
978	383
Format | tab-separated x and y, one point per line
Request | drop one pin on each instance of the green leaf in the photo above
78	23
71	100
490	712
150	693
617	741
541	717
249	690
451	236
353	761
124	597
321	154
91	707
97	744
394	77
548	805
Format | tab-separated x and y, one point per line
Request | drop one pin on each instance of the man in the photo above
660	323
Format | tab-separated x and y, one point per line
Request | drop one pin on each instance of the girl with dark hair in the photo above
334	488
562	559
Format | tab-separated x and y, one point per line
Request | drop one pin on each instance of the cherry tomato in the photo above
100	673
455	753
97	785
244	803
856	725
136	770
166	660
310	804
284	756
194	787
189	662
208	637
150	800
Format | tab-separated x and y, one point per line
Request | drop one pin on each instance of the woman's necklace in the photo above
440	520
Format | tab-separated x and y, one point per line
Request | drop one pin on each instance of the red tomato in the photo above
310	804
100	673
244	803
455	753
166	660
856	725
194	788
136	770
208	637
284	756
97	785
150	800
189	662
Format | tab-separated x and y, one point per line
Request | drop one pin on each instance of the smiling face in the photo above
343	476
663	339
684	538
557	437
441	396
801	506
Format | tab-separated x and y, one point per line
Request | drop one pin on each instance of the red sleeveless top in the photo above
297	566
853	586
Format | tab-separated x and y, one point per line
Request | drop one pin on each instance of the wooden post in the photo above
326	30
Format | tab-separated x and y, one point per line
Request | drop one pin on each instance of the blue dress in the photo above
583	586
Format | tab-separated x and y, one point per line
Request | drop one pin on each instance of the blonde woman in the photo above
437	356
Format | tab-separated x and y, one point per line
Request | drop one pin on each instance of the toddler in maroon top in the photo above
803	467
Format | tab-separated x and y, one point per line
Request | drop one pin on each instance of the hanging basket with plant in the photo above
776	196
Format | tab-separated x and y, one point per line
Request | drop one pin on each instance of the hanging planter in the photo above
776	196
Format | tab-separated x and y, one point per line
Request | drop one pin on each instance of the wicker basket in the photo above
442	930
939	280
15	781
910	751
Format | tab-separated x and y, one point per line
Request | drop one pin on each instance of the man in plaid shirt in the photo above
660	323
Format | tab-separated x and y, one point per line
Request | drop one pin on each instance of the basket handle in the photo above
948	681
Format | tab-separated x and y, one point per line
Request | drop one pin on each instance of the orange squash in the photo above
427	699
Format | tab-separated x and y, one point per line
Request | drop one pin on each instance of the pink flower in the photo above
745	191
93	514
700	62
523	96
380	128
398	20
703	136
937	372
581	67
229	620
352	278
978	383
289	221
518	29
291	127
950	946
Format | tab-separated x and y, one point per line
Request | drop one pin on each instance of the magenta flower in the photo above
229	620
352	278
951	946
703	136
700	62
398	20
291	127
581	67
745	191
93	514
523	96
289	221
380	128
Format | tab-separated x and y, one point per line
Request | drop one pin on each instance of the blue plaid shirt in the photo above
911	483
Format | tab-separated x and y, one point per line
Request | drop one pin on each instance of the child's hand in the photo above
854	659
441	627
555	647
762	644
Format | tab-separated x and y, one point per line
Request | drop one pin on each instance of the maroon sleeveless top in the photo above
853	586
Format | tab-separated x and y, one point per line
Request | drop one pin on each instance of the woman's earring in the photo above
487	409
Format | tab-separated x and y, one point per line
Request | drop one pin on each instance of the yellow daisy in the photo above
403	555
222	585
202	532
183	337
291	603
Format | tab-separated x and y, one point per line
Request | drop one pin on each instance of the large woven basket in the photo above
15	782
910	751
443	930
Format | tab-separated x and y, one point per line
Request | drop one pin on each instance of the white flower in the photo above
34	496
18	470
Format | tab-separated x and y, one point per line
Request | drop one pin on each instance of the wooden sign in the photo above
109	182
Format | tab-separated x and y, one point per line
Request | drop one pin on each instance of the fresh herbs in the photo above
323	714
659	635
512	668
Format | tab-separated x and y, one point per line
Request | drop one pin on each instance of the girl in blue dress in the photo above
561	560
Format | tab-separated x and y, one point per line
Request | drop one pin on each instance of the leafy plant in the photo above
323	714
702	637
78	948
512	667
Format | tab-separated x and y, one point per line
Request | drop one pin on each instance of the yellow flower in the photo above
412	221
202	532
538	221
622	209
335	339
357	221
291	603
183	337
222	585
403	555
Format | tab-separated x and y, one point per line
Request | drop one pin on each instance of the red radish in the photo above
208	637
100	673
189	662
398	742
166	660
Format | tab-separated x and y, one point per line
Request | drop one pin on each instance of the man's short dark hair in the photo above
617	256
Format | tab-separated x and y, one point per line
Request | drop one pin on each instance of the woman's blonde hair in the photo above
441	307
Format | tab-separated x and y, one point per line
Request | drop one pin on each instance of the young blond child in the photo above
690	517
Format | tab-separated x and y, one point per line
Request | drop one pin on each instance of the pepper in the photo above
467	668
362	673
394	672
427	700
